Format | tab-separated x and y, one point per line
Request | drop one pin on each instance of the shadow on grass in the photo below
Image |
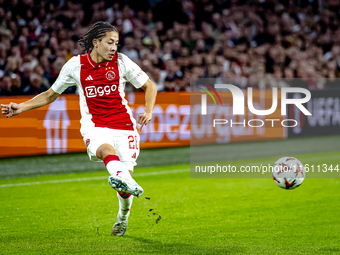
155	247
329	251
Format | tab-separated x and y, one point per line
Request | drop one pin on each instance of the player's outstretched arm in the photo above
150	99
40	100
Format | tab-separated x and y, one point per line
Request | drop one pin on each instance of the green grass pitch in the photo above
74	213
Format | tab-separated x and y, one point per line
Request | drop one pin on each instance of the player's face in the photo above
107	47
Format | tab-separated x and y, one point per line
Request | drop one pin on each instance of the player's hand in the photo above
10	110
143	119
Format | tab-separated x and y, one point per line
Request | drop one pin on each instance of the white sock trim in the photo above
124	207
117	168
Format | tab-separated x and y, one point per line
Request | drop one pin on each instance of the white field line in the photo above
142	174
92	178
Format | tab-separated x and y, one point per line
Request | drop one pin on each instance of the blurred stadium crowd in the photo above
251	41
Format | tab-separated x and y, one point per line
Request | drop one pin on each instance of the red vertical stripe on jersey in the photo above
100	83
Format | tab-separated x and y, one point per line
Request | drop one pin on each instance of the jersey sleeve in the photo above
65	78
133	73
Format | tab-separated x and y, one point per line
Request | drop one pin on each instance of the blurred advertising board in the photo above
324	106
55	128
218	123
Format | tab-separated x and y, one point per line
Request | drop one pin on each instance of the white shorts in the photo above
125	142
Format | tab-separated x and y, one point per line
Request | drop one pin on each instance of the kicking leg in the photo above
109	155
120	178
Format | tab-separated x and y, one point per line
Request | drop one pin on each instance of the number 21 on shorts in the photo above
133	142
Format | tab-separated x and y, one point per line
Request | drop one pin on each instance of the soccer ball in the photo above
288	173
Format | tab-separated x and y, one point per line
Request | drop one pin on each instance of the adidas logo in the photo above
89	78
134	156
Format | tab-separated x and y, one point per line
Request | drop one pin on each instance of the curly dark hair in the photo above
97	31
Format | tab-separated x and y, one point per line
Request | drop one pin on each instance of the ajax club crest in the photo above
110	75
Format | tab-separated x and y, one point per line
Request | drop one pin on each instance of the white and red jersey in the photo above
101	90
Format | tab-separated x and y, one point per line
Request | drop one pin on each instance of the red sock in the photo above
116	167
124	195
109	158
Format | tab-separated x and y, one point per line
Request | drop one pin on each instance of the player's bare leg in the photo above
121	180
